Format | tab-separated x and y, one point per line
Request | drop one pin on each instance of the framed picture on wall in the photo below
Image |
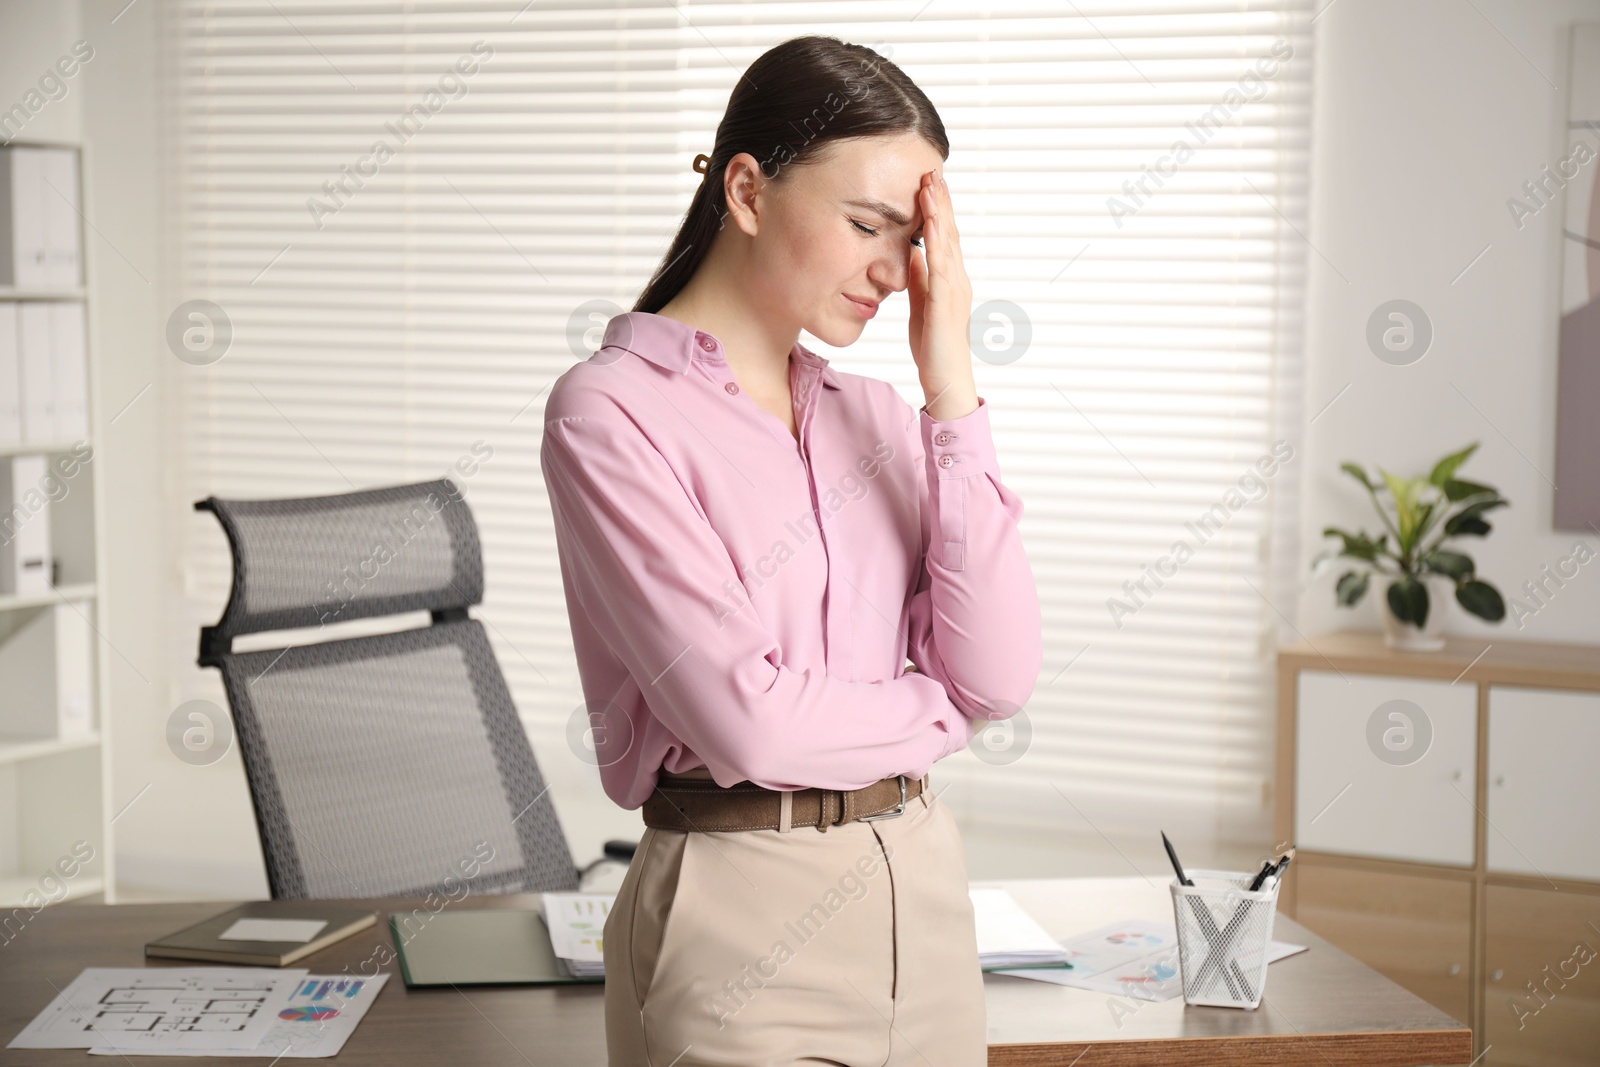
1577	495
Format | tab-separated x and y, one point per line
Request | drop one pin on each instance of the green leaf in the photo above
1352	586
1445	469
1455	489
1466	521
1404	494
1453	564
1481	506
1358	546
1356	471
1424	514
1408	599
1465	526
1482	599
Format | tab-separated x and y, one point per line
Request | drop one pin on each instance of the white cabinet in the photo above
1385	766
1544	782
1389	870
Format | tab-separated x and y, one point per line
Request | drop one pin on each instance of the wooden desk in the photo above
1321	1007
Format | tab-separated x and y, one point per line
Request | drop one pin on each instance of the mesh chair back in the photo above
319	560
384	765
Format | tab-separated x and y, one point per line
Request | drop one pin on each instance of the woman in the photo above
752	544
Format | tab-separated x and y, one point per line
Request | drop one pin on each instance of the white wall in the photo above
1428	117
182	831
33	35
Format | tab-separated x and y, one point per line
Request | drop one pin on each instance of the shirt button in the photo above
707	343
941	438
732	387
945	461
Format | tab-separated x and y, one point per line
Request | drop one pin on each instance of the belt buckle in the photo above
901	810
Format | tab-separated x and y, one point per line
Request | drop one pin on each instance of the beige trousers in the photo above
852	946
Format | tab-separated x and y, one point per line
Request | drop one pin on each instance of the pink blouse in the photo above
745	602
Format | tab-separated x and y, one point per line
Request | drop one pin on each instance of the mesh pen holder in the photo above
1223	931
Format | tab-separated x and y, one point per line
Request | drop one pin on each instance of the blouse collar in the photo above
674	345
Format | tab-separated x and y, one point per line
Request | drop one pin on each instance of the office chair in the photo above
386	765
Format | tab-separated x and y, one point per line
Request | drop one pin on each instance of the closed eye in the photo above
869	231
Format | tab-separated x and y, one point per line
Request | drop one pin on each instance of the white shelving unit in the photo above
54	791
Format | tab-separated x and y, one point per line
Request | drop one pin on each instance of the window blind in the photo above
407	255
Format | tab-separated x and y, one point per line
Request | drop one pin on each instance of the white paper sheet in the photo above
162	1009
1007	935
577	924
1137	959
319	1018
298	931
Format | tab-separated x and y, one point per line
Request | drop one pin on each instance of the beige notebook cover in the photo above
201	941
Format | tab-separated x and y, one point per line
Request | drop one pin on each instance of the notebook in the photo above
267	933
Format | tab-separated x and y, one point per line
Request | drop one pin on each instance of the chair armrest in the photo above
616	851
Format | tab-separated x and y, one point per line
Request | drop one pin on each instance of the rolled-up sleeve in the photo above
648	572
974	618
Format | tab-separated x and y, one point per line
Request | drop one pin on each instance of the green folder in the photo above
479	946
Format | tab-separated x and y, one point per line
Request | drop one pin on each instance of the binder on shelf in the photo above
54	373
62	204
39	222
69	372
21	217
34	353
25	556
44	667
10	378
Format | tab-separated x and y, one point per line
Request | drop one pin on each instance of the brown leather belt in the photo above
681	803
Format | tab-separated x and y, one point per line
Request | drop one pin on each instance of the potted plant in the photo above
1441	505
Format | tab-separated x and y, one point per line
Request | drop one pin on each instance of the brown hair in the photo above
795	98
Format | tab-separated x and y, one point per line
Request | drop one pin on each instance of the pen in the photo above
1267	867
1277	872
1271	870
1173	856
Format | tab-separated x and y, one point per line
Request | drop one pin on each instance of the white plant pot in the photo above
1405	636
